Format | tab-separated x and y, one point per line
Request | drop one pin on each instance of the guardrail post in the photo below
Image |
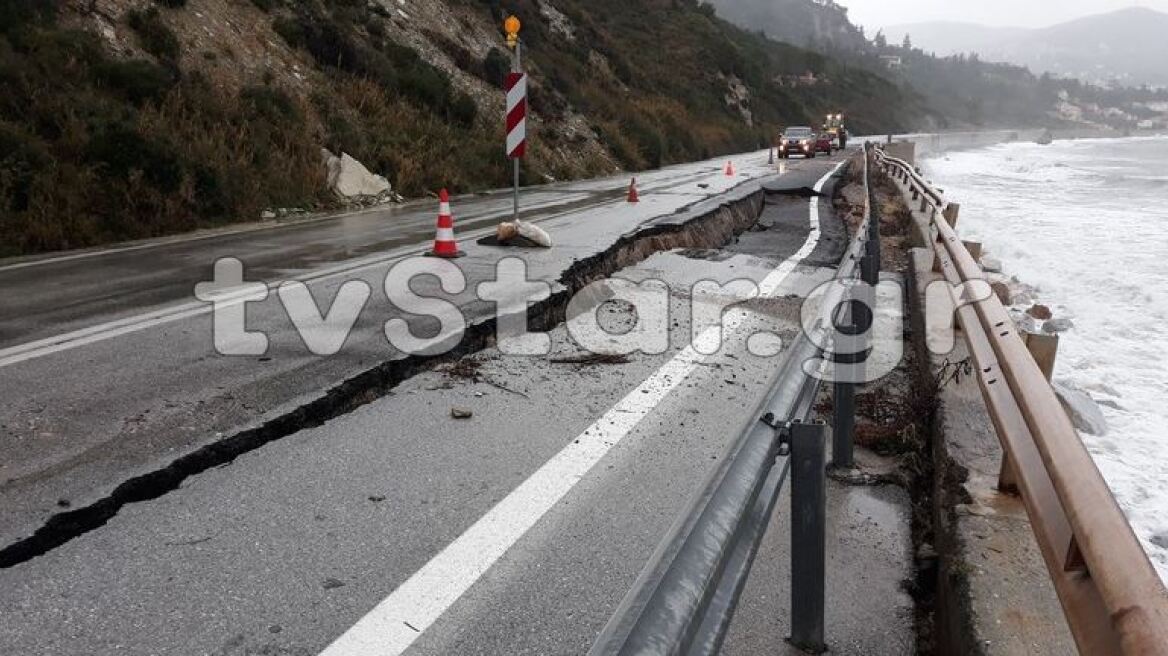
974	248
808	541
843	426
950	214
1044	348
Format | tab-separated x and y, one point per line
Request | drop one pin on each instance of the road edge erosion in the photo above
704	224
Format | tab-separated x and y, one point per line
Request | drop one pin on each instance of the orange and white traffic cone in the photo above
444	244
729	168
633	196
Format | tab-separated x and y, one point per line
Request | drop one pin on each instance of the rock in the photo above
1059	325
1021	298
1002	291
461	413
1040	312
506	231
991	264
331	583
534	233
1082	409
349	178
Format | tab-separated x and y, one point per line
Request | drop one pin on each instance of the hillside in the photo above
1126	46
821	25
123	119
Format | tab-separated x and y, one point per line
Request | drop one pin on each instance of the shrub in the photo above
269	104
15	15
136	80
464	110
156	38
496	66
21	155
119	150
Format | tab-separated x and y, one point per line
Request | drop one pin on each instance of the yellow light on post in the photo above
512	26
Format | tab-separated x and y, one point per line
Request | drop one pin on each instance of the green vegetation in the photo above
95	149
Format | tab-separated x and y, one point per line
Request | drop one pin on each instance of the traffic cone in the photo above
633	196
444	244
729	168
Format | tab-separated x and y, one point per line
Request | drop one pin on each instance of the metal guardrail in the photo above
685	597
1113	599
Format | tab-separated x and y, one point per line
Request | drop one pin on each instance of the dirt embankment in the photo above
895	414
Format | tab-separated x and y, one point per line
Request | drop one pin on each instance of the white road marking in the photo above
395	623
118	327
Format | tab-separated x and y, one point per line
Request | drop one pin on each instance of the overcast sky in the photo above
873	14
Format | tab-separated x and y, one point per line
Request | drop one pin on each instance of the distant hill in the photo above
816	24
1128	46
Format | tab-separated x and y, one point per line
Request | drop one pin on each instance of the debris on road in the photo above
592	359
466	368
459	412
521	234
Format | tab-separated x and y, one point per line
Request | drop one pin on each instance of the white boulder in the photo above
1082	409
534	233
350	180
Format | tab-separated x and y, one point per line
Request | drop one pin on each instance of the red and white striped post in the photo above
516	104
516	115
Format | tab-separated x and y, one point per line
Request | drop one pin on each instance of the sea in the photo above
1085	222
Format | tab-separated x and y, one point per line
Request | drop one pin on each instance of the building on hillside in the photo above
892	62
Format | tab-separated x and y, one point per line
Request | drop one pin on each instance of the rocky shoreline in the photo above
1034	318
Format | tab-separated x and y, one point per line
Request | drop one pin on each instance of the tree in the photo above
881	41
907	45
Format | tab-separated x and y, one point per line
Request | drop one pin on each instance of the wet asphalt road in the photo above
133	386
51	295
289	546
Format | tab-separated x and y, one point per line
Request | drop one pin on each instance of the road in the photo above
110	373
393	526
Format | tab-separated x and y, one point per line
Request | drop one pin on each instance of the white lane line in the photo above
395	623
108	330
